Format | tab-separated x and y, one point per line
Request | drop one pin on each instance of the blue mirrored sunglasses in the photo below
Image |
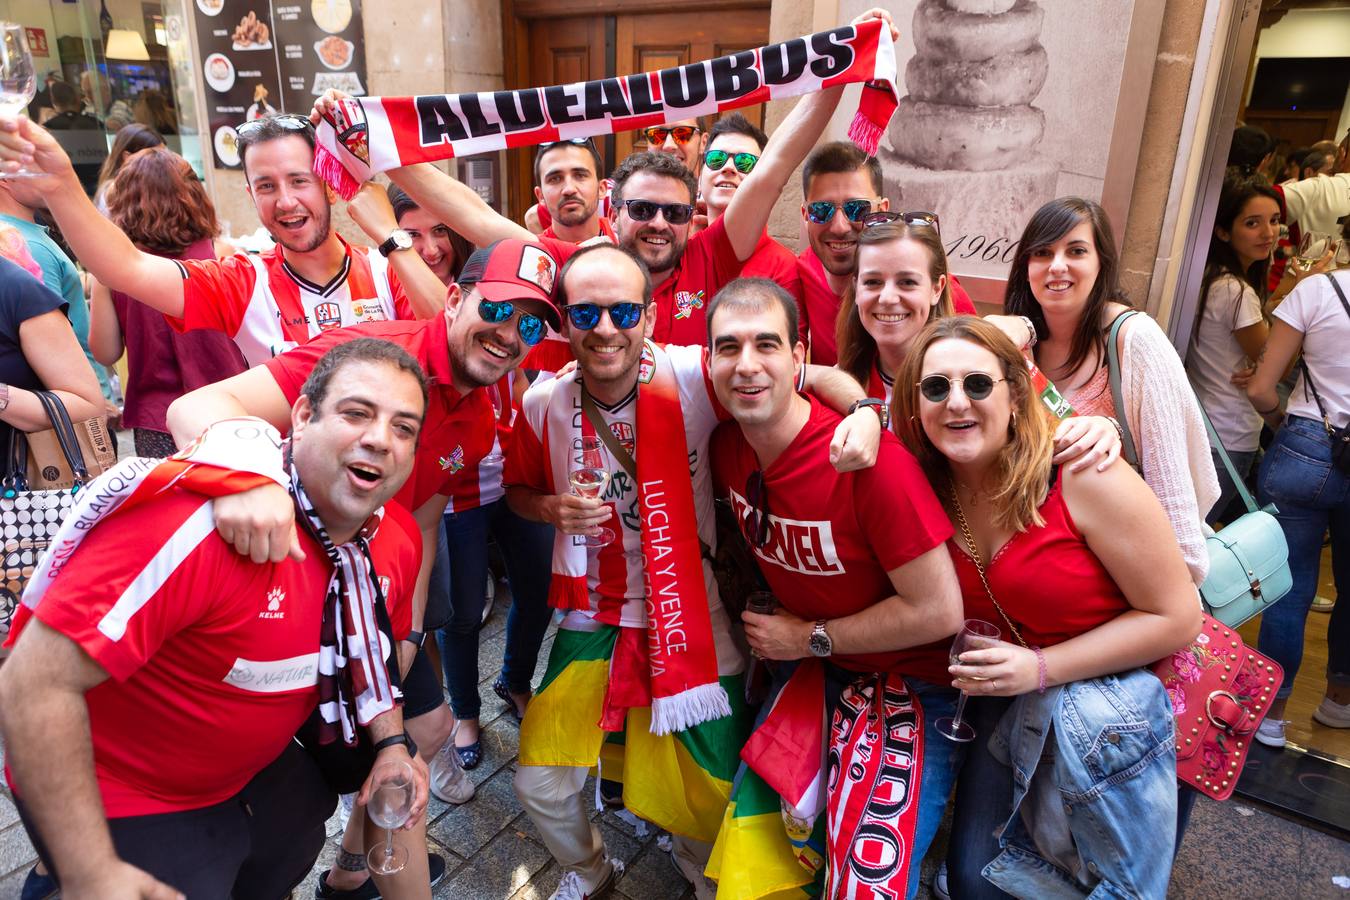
532	328
585	316
822	211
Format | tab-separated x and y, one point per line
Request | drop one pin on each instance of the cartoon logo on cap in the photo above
537	267
328	315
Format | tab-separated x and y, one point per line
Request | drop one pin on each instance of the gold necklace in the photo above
969	538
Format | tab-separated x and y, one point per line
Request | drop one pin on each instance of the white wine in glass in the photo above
389	807
1311	248
18	82
589	476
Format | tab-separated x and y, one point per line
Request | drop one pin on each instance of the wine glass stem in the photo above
389	843
960	711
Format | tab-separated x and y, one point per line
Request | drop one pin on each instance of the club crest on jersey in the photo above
454	462
385	585
537	267
275	597
625	435
686	302
647	364
328	315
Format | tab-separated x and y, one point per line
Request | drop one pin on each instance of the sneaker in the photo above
435	868
940	883
38	886
367	891
1271	732
1332	714
573	888
449	782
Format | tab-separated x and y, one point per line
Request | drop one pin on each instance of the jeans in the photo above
527	548
1242	461
1312	495
984	794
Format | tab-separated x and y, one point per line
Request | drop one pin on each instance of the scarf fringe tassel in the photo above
691	707
329	168
568	592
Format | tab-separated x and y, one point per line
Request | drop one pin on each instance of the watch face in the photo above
820	643
402	240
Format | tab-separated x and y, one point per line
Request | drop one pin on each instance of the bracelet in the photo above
1031	330
1040	667
1120	429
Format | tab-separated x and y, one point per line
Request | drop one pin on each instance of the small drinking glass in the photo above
589	476
390	805
1312	247
975	634
756	674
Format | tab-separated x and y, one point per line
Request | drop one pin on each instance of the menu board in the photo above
262	58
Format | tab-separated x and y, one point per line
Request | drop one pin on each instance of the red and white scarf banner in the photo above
375	134
673	664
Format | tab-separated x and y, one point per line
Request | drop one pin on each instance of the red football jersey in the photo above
833	536
213	659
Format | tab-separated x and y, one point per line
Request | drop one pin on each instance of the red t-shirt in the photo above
213	659
709	262
459	431
1046	578
267	316
820	308
606	229
833	535
775	262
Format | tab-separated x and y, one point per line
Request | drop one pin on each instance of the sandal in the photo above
499	688
470	756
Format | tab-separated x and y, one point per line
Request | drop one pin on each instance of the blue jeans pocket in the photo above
1291	475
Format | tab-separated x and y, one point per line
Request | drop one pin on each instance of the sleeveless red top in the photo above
1046	578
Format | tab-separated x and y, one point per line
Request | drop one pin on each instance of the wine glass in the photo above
975	634
589	477
756	675
1312	247
390	805
18	83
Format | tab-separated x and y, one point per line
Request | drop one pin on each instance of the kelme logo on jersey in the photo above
805	547
328	315
454	462
686	302
275	597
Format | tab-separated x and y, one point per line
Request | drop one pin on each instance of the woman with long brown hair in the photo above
130	139
158	201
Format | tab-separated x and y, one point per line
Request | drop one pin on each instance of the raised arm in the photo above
101	247
50	751
372	211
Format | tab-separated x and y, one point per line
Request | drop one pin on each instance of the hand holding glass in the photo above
589	476
18	83
390	804
976	634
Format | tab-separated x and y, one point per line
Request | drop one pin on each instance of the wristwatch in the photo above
397	739
398	240
819	643
1031	331
883	411
416	637
4	397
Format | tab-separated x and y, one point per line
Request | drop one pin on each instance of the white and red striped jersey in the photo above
213	659
267	307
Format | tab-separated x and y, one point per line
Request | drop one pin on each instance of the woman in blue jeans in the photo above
1311	491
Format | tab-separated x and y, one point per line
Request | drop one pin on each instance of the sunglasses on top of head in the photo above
657	134
585	316
646	210
288	121
530	327
976	385
917	217
716	159
821	212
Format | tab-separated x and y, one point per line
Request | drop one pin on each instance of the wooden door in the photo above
562	41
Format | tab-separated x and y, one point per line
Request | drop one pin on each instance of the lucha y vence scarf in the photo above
375	134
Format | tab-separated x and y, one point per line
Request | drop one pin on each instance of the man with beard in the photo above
311	282
840	185
664	679
493	315
569	189
158	677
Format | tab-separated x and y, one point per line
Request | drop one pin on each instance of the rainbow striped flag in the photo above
680	782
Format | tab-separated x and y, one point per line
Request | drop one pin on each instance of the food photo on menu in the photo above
251	33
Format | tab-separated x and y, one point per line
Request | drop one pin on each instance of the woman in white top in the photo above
1230	331
1312	492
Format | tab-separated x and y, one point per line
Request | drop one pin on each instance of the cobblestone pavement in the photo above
493	851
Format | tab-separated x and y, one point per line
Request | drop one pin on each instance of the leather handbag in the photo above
1220	691
30	513
52	452
1249	558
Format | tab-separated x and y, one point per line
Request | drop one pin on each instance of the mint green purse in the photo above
1249	558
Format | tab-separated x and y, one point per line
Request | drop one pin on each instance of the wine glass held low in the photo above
975	634
589	476
18	82
389	807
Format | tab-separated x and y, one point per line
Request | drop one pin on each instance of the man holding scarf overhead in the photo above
643	668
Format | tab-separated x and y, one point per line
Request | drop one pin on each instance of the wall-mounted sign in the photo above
37	41
263	58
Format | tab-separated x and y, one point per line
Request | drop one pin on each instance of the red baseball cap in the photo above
513	270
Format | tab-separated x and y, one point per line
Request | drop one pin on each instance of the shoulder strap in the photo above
1217	444
1127	448
1303	364
602	430
1339	293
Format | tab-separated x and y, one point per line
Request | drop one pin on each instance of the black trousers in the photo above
257	845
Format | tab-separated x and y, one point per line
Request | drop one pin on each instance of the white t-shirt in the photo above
1314	309
1215	355
1314	204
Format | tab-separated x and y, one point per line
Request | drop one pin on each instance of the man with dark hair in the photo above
840	185
80	134
154	688
874	599
652	410
1250	149
312	281
685	140
568	185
